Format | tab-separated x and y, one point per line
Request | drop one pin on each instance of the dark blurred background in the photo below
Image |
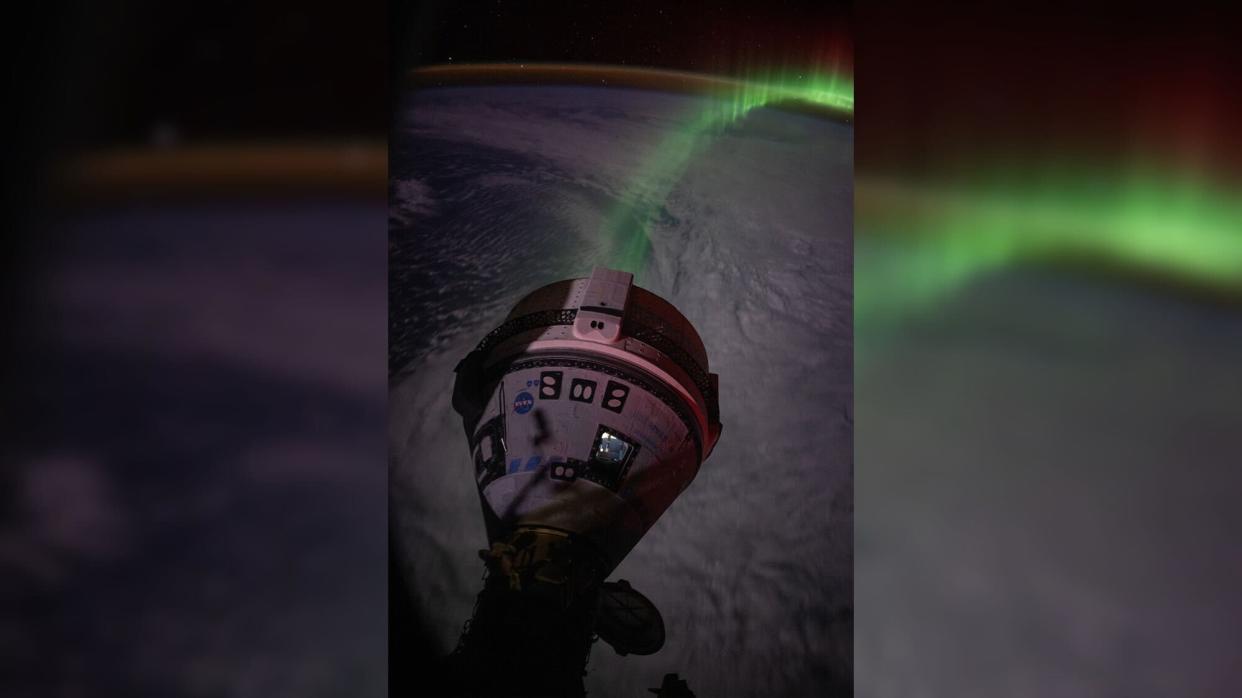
1048	331
723	38
193	388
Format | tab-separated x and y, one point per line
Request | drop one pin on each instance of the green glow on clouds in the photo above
916	244
627	227
920	241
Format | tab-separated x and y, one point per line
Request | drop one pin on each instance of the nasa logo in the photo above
523	402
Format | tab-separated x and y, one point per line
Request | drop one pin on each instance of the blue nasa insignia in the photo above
523	402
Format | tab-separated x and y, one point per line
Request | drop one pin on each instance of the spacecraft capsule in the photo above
587	411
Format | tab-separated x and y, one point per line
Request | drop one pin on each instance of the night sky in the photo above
712	37
944	89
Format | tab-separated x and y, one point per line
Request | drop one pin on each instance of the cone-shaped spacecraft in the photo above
588	410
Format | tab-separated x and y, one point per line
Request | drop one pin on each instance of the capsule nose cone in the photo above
588	411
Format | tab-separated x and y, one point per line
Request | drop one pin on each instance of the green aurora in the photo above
919	241
627	227
916	244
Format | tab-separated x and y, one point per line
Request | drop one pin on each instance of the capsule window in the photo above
612	454
611	448
582	390
614	396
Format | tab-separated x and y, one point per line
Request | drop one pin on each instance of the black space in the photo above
88	75
103	73
724	37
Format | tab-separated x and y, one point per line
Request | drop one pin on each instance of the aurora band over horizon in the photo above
627	226
918	240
